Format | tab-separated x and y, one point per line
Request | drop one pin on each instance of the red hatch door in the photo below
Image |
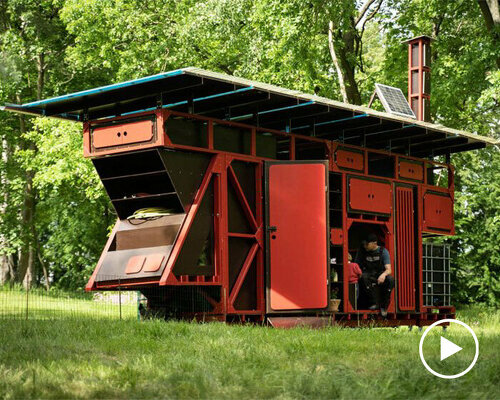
124	134
297	235
370	196
438	212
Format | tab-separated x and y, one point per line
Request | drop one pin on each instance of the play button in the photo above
454	356
448	348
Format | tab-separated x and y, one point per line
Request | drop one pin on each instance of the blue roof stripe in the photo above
179	103
308	103
224	93
340	120
330	122
104	88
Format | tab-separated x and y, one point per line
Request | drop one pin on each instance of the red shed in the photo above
263	191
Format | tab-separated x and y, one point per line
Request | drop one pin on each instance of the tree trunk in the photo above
343	55
346	46
27	254
335	60
491	14
40	259
346	53
26	260
6	272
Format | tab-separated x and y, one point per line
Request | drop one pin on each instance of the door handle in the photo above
272	229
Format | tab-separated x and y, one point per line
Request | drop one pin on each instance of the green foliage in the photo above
477	253
73	212
465	95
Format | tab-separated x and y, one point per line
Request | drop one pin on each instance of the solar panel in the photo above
393	100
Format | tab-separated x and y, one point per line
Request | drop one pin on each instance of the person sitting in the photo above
354	275
375	263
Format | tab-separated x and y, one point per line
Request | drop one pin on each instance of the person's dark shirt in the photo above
386	258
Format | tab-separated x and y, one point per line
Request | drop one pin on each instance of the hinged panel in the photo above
349	160
438	212
117	135
298	245
135	132
411	170
107	136
369	196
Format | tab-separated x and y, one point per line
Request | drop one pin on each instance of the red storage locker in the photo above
123	134
349	160
370	196
411	170
438	212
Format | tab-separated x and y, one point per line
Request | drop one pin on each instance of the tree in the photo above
346	27
33	40
491	13
465	95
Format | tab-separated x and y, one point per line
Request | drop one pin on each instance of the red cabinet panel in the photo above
370	196
106	137
349	160
411	170
438	212
117	135
298	252
337	236
135	132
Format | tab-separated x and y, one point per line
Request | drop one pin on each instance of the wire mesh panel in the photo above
436	275
188	302
38	303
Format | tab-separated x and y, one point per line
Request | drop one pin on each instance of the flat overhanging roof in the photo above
221	96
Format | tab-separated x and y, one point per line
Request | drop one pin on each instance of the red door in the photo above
297	235
438	212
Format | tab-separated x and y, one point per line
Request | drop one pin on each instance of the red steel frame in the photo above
221	173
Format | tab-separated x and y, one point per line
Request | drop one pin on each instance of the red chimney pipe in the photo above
419	76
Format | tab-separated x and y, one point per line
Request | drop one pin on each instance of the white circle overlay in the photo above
422	355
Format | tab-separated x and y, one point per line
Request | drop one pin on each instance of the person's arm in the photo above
357	270
387	265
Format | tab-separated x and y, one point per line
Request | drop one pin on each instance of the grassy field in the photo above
89	358
39	304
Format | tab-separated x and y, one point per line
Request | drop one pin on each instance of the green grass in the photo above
88	358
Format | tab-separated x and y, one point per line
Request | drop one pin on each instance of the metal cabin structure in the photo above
269	189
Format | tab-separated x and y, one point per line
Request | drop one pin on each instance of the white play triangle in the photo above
448	348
